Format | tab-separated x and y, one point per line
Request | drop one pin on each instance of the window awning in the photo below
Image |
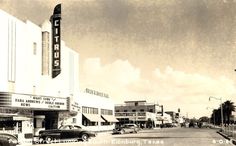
14	119
110	118
94	117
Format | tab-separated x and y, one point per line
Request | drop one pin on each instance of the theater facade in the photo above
39	76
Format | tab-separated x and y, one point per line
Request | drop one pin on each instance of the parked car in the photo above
8	139
166	125
192	124
126	128
65	132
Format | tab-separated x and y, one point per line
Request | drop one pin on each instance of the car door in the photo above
77	132
128	128
67	133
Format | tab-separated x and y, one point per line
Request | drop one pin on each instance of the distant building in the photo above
166	118
174	115
139	112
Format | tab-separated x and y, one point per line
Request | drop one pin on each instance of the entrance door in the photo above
51	119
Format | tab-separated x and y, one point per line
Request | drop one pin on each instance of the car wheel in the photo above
84	137
48	139
41	141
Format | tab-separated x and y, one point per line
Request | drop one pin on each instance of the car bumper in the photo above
92	134
116	132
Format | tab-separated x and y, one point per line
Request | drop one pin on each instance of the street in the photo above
165	136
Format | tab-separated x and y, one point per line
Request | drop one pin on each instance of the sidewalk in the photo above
227	137
103	133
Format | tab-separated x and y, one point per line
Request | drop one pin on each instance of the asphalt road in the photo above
157	137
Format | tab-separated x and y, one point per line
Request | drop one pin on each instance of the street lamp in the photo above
213	114
222	123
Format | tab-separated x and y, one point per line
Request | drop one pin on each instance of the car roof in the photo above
130	124
7	134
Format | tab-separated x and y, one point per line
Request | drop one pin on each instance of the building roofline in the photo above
135	101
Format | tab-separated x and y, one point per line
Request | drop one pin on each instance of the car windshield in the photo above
129	125
67	127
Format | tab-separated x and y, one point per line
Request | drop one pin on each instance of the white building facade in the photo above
30	99
96	111
140	112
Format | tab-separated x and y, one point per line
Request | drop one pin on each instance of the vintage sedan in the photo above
8	139
126	128
65	133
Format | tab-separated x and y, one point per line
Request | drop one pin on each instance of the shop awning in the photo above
94	117
110	118
14	119
21	119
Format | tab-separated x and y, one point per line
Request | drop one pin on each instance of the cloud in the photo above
119	73
172	88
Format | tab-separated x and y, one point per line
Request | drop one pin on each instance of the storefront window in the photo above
106	123
14	126
87	122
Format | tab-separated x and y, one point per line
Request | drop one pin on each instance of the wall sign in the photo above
97	93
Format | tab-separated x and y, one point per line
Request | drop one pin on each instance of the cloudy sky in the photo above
173	52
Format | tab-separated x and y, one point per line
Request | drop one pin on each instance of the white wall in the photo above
90	100
94	101
28	67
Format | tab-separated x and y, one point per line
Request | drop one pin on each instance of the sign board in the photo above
56	41
74	106
39	102
97	93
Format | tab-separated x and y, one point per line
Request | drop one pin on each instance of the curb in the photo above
226	137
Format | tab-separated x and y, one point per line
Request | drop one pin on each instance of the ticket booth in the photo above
39	124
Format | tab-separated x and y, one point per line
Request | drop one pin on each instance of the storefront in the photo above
97	111
39	77
25	115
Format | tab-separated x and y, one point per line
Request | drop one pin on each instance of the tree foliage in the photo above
228	108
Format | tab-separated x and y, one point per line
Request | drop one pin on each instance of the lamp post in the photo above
222	122
213	114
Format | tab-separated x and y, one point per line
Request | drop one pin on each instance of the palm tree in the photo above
218	116
214	117
228	108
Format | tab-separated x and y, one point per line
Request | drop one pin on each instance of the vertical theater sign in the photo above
56	41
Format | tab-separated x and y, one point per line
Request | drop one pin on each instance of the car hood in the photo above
59	130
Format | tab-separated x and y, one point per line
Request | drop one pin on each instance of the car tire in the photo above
84	137
48	140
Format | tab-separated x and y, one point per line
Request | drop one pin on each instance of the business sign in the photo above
97	93
73	105
39	102
56	41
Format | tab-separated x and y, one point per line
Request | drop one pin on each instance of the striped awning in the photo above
110	118
94	117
